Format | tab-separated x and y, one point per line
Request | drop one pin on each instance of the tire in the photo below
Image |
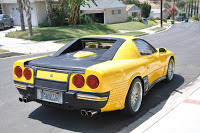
3	28
12	24
134	97
170	70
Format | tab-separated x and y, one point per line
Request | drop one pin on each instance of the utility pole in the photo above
173	10
161	17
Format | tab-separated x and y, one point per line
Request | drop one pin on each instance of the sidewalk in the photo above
26	46
147	30
180	113
185	118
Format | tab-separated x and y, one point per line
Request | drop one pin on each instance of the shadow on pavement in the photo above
109	121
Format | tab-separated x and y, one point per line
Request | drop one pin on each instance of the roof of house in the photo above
129	7
158	10
103	4
132	7
15	1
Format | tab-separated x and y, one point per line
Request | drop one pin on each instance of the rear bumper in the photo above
73	100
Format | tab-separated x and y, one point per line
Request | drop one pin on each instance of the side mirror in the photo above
162	50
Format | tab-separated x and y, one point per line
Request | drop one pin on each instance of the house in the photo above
38	11
156	13
106	11
133	10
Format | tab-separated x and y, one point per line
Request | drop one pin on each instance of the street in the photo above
182	39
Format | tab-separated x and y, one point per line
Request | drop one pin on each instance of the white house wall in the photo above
110	18
11	9
41	12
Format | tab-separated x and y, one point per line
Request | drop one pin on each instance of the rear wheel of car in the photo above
12	24
170	70
3	27
134	97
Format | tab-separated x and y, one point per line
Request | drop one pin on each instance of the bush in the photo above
196	17
57	18
139	19
183	14
45	24
151	18
165	20
129	18
84	19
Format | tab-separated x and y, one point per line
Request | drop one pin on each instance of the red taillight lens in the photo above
27	73
18	71
78	81
92	82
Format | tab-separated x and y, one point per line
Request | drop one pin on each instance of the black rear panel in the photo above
64	60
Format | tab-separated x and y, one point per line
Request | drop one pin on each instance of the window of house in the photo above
114	12
1	12
144	47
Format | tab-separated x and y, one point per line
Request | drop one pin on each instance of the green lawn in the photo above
152	23
131	33
65	41
55	33
131	26
157	28
3	50
166	24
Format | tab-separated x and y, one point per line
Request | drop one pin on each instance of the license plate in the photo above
50	96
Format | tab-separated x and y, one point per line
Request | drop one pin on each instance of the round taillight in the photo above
18	71
78	81
27	73
92	82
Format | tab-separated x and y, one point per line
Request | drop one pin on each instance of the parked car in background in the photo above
144	20
5	21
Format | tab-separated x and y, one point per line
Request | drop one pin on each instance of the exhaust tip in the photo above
83	112
91	113
25	100
20	99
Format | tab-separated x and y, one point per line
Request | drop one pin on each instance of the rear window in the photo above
97	45
93	45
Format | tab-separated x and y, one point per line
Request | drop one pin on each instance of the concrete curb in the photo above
152	117
144	34
9	54
160	30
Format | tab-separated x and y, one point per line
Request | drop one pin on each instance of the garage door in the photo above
16	17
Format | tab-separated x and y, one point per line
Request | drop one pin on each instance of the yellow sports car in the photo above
94	74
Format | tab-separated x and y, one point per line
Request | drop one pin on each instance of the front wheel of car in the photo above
12	24
134	97
170	70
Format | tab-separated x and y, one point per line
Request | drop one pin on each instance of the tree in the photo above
63	6
131	2
197	7
192	8
167	5
170	11
27	9
145	9
20	9
74	9
180	4
49	10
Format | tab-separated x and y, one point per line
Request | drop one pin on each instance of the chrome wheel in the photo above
170	70
136	96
